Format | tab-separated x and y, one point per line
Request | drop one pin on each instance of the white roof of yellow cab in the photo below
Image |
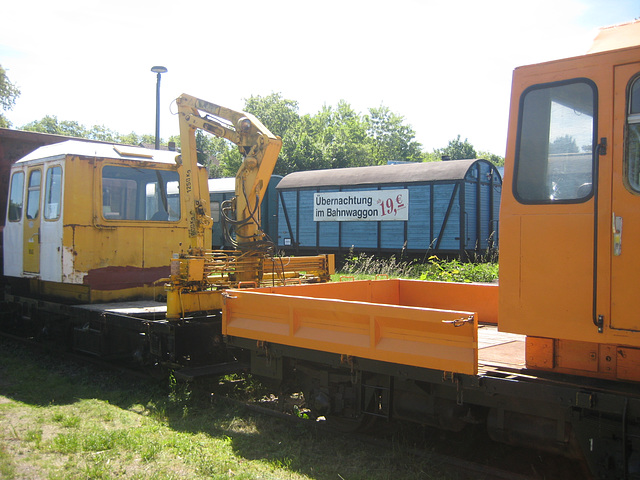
98	150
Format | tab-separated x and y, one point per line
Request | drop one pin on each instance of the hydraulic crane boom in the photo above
259	149
199	276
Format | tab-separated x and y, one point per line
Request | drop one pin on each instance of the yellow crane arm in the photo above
258	147
199	276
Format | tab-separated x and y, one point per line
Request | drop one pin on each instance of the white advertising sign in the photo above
367	206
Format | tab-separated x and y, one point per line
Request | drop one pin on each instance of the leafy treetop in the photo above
335	137
9	93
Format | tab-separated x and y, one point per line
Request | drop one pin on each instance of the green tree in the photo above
135	139
340	135
51	124
336	137
458	149
276	113
102	133
9	93
214	151
390	139
497	160
279	115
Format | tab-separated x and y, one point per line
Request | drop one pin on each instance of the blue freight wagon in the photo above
448	207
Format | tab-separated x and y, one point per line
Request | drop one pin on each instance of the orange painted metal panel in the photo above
583	358
557	266
540	352
554	288
310	317
474	297
629	363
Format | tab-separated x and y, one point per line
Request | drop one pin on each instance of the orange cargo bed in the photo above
424	324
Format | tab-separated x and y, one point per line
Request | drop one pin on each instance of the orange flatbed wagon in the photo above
390	349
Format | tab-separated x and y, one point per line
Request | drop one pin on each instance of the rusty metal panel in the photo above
362	327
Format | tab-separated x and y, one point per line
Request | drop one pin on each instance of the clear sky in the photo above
445	66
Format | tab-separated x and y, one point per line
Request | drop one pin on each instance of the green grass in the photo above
365	267
60	420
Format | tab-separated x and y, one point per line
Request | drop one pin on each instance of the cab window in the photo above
632	161
16	196
33	194
52	193
555	147
143	194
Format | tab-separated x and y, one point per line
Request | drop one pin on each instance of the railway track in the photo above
467	469
511	464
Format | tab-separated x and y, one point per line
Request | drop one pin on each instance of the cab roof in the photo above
99	150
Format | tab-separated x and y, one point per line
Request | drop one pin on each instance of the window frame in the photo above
627	123
47	194
139	189
33	188
11	195
519	140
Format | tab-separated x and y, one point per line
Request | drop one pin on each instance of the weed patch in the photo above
363	264
457	271
483	268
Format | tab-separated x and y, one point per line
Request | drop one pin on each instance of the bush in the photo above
457	271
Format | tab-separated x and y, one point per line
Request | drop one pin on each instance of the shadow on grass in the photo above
41	379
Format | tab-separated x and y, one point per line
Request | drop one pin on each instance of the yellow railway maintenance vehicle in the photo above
98	236
561	370
94	222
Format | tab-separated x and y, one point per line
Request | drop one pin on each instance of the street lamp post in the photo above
159	71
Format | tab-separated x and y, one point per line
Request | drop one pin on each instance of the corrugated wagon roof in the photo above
386	174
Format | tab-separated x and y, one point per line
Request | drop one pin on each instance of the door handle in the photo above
617	235
36	234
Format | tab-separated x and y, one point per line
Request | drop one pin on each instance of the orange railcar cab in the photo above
570	213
